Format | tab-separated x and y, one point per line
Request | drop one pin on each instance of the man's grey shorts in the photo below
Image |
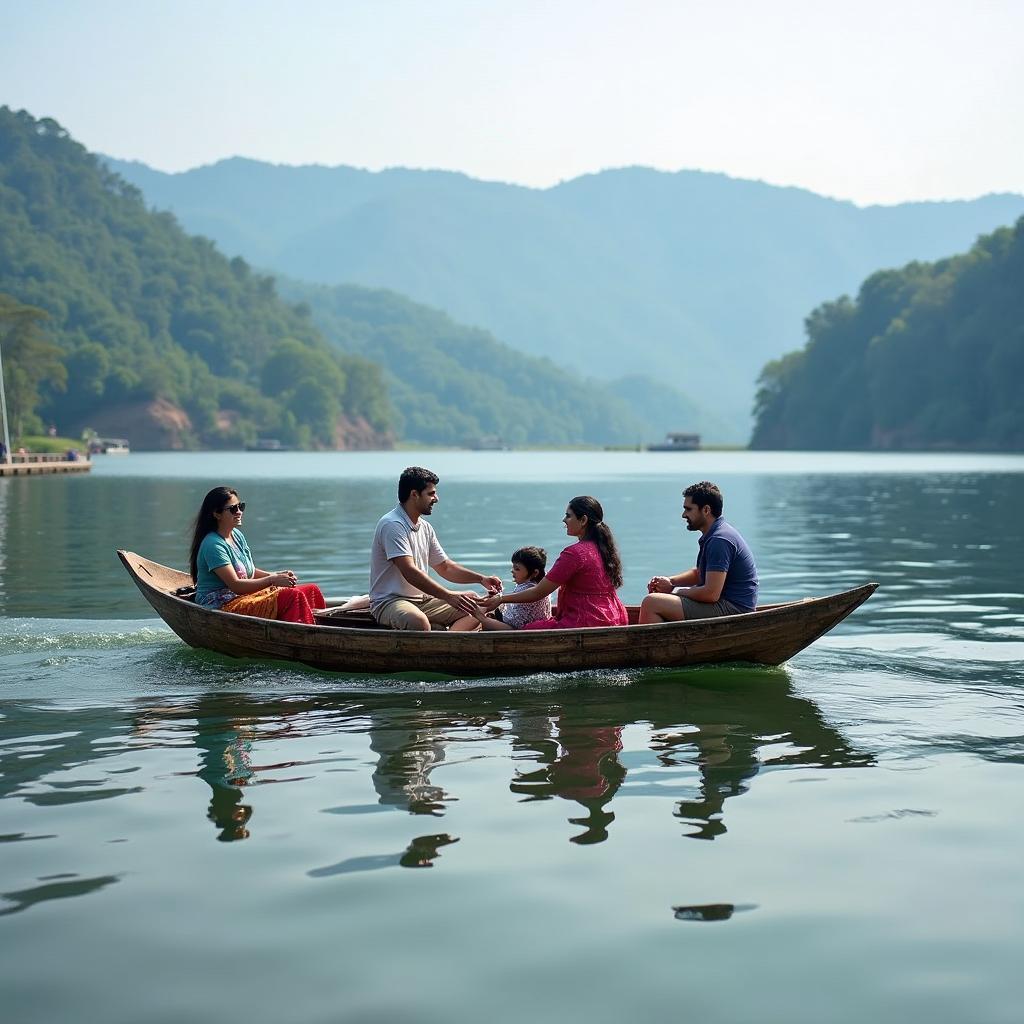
401	613
702	610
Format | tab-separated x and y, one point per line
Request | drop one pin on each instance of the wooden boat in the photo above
353	642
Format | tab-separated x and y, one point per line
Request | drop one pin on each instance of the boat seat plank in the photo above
359	619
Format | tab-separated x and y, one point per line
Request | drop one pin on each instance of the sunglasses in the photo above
240	507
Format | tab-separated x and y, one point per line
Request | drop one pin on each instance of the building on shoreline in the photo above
677	442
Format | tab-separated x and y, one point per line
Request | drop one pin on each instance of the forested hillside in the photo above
452	384
694	279
929	356
112	317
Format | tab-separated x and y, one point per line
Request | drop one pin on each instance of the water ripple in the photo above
29	636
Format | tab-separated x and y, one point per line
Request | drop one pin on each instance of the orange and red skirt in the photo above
287	604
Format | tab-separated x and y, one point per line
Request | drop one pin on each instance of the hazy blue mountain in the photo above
452	384
665	409
696	279
112	317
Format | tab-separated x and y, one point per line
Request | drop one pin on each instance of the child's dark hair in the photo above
534	560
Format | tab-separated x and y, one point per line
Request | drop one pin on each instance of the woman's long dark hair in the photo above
600	534
214	501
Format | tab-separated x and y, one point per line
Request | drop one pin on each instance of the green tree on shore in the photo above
30	361
928	356
138	310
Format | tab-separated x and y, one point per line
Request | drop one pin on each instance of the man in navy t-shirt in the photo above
724	581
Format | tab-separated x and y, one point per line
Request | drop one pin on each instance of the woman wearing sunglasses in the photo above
225	575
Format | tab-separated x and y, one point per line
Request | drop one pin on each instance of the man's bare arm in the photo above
455	573
459	599
710	591
664	584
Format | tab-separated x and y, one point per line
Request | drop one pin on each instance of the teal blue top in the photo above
215	552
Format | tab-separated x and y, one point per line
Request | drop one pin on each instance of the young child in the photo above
528	565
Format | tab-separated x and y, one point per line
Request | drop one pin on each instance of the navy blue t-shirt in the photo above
722	549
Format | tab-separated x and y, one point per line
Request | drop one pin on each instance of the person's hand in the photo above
490	604
464	601
286	578
493	584
659	585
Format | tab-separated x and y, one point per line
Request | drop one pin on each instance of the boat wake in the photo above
29	636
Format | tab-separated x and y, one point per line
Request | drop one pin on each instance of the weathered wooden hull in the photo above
769	636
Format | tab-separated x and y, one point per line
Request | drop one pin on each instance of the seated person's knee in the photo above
660	608
416	620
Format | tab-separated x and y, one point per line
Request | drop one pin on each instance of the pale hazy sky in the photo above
864	100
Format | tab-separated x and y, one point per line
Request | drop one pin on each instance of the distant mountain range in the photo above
113	318
694	279
452	384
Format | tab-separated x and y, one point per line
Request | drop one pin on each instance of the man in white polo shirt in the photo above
405	548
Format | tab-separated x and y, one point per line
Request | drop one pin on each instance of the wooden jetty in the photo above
39	464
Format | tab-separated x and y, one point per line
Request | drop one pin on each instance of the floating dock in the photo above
38	465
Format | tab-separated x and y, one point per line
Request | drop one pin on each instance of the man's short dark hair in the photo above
415	478
705	493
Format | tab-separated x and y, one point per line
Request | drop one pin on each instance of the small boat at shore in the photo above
268	444
109	446
677	443
353	642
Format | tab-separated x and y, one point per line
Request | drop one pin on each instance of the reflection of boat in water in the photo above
692	749
704	746
354	643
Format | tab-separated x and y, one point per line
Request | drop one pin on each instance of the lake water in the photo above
188	837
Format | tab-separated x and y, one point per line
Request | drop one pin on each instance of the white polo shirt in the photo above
394	537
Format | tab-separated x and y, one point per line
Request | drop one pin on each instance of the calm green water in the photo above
187	837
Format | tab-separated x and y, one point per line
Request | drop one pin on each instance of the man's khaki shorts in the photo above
401	613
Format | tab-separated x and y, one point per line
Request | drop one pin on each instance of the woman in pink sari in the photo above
587	574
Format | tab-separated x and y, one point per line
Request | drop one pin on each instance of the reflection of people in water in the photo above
727	760
582	764
713	738
224	736
722	733
408	748
588	771
226	758
729	746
